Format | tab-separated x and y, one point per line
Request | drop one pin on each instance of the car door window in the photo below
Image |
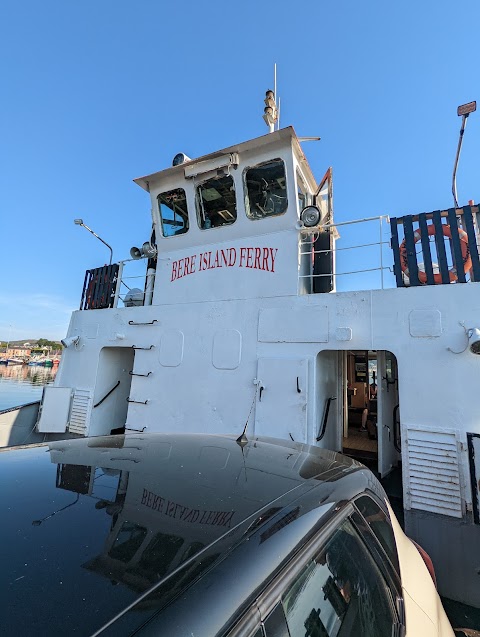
340	592
275	624
378	521
243	627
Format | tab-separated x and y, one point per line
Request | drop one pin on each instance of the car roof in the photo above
124	526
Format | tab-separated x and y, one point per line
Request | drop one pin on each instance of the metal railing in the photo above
375	259
429	248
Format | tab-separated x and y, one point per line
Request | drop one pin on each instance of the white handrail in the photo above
307	247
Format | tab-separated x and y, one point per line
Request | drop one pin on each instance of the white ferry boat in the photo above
242	323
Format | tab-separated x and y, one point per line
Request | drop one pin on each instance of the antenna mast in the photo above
275	89
271	113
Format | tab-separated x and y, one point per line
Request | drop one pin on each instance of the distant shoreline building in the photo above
18	351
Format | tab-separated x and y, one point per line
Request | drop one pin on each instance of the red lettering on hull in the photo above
184	513
251	258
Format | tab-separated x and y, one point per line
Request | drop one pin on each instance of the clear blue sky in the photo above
94	94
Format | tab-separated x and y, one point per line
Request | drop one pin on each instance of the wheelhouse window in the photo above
159	554
266	190
128	541
173	212
324	197
216	203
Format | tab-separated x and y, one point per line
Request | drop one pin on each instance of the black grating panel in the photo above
427	255
99	288
458	258
396	252
472	243
442	248
408	254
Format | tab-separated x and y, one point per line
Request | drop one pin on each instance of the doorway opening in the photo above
371	411
357	399
360	438
112	388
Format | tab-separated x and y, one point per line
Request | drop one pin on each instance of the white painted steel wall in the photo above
187	391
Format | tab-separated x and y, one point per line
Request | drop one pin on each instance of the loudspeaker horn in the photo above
135	253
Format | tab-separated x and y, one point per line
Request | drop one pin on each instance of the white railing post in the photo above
149	286
119	283
381	251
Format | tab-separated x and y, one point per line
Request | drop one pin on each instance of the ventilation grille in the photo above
80	413
433	476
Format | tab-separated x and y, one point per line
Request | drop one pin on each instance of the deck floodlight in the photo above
474	340
269	95
270	113
310	216
466	109
79	222
463	111
180	158
70	340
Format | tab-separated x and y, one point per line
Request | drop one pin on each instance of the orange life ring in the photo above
452	273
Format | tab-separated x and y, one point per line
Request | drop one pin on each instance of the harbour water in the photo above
20	384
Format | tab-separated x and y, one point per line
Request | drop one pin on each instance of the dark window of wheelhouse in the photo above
159	554
172	206
128	541
216	203
266	187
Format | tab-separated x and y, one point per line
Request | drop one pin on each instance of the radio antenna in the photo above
242	439
270	113
275	90
275	84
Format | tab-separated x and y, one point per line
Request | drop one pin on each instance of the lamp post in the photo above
463	112
79	222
